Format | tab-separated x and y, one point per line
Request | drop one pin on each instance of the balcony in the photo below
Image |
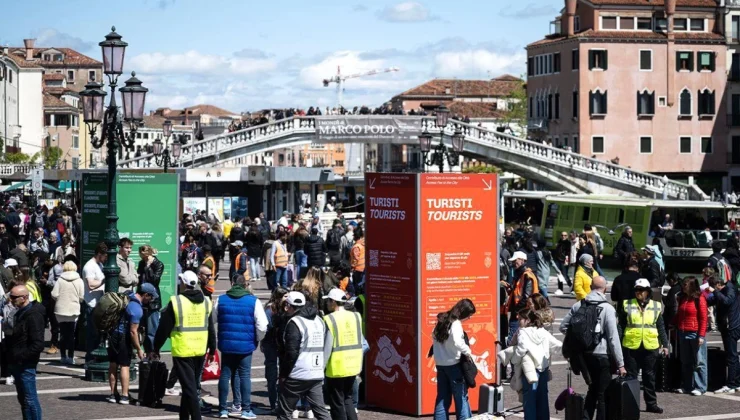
732	3
537	124
733	120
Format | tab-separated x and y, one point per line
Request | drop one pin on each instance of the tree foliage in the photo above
51	156
518	103
17	158
481	169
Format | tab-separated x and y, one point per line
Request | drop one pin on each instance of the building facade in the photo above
639	83
731	22
21	105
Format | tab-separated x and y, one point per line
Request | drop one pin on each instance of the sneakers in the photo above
71	361
224	415
111	399
296	414
725	390
52	350
249	415
235	409
558	292
172	392
681	391
123	400
9	380
697	393
306	414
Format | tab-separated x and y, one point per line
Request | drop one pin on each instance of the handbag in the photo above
212	371
468	367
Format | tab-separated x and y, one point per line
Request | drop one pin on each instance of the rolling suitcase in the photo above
667	374
623	399
575	403
716	368
152	383
491	399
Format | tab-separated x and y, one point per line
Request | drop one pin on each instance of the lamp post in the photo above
113	137
162	154
440	152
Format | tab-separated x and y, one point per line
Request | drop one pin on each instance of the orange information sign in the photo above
434	238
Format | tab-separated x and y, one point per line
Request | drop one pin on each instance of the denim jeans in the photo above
281	276
92	338
451	384
25	386
536	405
271	372
254	267
729	340
542	285
692	377
356	392
152	323
231	365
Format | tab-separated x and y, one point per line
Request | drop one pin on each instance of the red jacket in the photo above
687	320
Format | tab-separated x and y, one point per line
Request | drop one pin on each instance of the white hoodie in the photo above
537	342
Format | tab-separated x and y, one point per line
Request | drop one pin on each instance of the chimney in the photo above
570	11
29	48
670	10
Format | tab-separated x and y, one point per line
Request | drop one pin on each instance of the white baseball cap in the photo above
10	262
518	255
296	299
642	284
336	295
188	278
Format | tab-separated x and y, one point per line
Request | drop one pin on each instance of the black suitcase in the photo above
716	368
575	403
152	383
623	399
667	374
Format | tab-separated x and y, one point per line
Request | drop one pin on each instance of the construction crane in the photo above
339	79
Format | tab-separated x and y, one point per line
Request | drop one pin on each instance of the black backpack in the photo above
334	239
584	331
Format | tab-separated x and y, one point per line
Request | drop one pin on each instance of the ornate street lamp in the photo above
163	156
440	152
112	135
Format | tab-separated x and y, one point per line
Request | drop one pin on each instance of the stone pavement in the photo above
64	395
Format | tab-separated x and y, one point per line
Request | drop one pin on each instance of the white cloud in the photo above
530	11
477	61
406	12
50	37
193	62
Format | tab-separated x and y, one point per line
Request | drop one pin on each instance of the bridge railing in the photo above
8	169
571	160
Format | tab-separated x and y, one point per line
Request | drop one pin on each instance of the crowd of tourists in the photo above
310	330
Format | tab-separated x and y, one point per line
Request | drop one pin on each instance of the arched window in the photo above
706	102
685	103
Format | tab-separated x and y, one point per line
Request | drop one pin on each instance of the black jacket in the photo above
264	228
623	287
586	249
528	248
728	307
167	322
732	256
315	249
653	273
27	341
153	275
7	244
20	256
670	304
624	247
254	244
13	222
562	250
236	234
335	253
290	347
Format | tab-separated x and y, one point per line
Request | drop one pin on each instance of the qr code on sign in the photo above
373	258
434	261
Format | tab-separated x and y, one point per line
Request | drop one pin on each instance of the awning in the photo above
19	185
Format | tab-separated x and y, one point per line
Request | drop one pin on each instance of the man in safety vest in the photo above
357	262
525	285
303	358
344	328
209	261
644	335
279	259
188	323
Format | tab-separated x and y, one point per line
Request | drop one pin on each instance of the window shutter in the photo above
591	103
691	62
652	103
605	65
557	106
702	103
603	105
678	61
712	59
712	109
638	103
590	60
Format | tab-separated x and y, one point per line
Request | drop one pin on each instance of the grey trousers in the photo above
312	393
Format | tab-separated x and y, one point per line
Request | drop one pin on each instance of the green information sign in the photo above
147	211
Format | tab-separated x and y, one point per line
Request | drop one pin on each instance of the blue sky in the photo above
245	55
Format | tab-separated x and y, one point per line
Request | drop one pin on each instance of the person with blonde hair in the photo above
69	293
311	285
150	271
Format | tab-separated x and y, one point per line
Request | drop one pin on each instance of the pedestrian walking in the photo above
584	276
69	294
150	271
561	258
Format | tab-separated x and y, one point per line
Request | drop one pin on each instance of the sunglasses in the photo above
17	296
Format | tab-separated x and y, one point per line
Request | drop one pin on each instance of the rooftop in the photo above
22	63
71	58
591	34
653	3
475	110
52	102
197	110
500	86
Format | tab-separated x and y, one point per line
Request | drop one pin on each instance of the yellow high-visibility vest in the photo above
190	335
642	325
33	290
346	354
